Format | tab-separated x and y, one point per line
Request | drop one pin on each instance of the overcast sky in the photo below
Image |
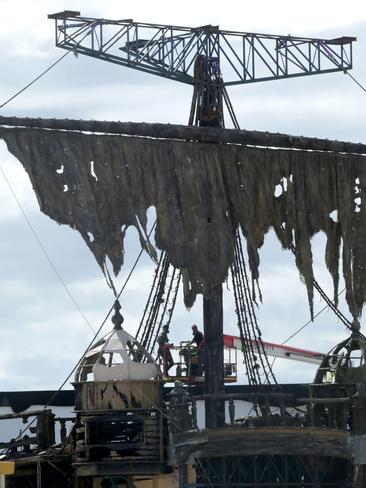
42	333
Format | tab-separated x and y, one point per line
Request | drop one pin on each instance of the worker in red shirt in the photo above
164	350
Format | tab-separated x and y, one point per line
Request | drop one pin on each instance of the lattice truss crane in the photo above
206	57
209	59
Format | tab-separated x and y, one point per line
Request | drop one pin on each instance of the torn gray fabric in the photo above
101	184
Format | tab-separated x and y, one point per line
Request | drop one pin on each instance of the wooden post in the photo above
45	429
182	476
359	417
214	359
39	475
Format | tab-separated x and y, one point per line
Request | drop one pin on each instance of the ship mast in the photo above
197	56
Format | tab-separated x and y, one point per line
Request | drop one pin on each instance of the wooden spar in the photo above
183	132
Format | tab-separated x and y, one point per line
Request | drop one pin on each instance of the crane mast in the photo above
206	57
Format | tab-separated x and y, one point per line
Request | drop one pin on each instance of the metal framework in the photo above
271	471
170	51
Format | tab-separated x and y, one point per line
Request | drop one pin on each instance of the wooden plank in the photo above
134	466
324	400
189	133
118	395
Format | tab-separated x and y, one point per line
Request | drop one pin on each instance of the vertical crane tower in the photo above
209	59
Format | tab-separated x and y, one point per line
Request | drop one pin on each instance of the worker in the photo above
193	353
164	350
197	337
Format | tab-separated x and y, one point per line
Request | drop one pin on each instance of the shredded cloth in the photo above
101	184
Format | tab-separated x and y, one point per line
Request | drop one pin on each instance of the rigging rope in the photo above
250	334
356	81
239	311
156	309
44	251
308	322
83	28
333	306
257	334
34	80
311	321
90	343
157	302
324	296
175	276
151	297
243	320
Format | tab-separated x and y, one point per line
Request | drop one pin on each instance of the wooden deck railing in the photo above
271	409
39	435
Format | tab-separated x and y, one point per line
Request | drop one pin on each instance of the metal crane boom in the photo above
170	51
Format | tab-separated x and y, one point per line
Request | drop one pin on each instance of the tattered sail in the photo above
202	192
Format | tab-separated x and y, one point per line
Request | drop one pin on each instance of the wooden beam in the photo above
19	442
214	359
31	413
189	133
242	441
324	400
